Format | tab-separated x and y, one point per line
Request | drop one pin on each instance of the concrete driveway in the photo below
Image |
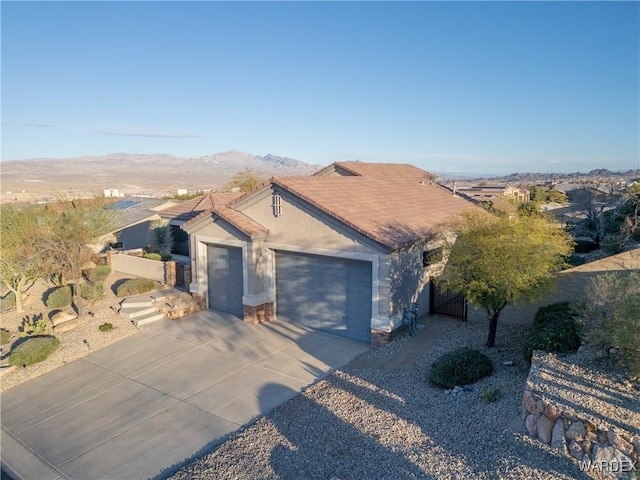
142	407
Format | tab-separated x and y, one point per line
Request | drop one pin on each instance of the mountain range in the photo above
137	173
153	174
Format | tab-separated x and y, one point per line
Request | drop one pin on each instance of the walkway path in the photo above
428	335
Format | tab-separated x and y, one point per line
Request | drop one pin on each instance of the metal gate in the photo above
443	302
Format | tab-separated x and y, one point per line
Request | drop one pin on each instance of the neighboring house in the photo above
516	194
178	214
132	220
340	251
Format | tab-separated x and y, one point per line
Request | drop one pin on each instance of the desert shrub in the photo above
135	286
612	243
33	350
585	246
37	325
460	367
98	274
489	394
8	302
153	256
612	316
59	298
160	236
5	336
105	327
555	329
576	260
92	292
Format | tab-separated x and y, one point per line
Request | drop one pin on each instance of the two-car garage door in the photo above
328	293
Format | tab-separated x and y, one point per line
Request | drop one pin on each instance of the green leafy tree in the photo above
161	239
244	181
538	194
496	261
65	246
554	196
19	266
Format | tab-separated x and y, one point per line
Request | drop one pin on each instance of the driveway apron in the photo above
144	406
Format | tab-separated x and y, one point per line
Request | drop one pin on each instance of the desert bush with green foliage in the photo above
60	297
555	329
98	274
135	286
106	327
8	302
92	292
489	394
36	325
153	256
33	350
611	316
5	336
460	367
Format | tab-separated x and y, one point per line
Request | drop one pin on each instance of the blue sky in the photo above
460	87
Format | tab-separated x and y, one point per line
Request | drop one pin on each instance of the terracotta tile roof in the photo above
391	211
216	203
195	206
386	170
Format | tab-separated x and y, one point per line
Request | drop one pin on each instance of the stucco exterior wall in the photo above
570	285
140	267
136	236
303	226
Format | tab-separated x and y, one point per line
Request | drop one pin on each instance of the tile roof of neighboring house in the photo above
498	203
195	206
386	170
136	210
391	211
216	203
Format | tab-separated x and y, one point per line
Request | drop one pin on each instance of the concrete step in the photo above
138	302
148	318
135	312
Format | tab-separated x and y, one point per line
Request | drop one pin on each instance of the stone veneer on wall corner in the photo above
573	434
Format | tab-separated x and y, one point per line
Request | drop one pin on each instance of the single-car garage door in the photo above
329	293
224	267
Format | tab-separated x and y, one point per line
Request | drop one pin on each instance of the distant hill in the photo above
531	178
136	173
528	178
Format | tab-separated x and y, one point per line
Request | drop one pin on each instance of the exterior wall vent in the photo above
276	205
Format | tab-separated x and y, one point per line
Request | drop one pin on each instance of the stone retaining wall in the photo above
598	445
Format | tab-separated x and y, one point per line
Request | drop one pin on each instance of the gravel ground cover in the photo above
585	387
74	344
391	424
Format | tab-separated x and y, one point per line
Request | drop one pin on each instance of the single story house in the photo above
339	251
508	192
132	219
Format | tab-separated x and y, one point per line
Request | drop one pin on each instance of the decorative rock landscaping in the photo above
582	421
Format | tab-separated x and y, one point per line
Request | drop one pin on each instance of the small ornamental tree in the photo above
496	261
19	266
65	243
244	181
